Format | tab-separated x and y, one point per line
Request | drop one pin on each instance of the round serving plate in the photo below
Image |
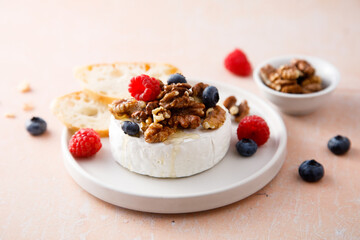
231	180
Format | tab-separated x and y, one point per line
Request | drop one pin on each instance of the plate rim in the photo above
281	150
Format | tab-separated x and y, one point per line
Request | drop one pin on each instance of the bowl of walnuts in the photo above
296	84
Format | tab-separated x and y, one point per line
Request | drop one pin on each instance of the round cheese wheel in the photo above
185	153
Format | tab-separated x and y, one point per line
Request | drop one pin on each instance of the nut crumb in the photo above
24	87
10	115
28	107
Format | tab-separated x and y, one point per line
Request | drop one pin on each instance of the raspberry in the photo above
255	128
84	143
237	63
144	88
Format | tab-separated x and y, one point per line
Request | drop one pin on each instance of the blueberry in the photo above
311	171
246	147
36	126
176	78
210	96
130	128
339	145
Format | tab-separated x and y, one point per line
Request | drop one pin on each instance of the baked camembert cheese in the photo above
183	131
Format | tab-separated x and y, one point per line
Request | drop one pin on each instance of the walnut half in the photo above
215	118
126	107
304	67
156	132
185	121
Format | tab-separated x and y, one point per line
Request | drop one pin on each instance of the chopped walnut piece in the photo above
312	84
229	102
178	102
281	83
24	87
185	121
145	124
127	107
240	111
177	99
198	89
181	88
160	114
244	110
215	118
289	72
310	88
156	132
274	76
168	97
176	96
304	67
296	88
139	115
269	74
151	106
193	108
266	72
284	82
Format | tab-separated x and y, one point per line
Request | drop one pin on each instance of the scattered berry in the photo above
176	78
84	143
339	145
144	88
255	128
210	96
311	171
246	147
237	63
36	126
130	128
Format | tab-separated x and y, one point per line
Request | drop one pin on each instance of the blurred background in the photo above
46	39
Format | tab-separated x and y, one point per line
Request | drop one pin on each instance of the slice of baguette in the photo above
108	82
78	110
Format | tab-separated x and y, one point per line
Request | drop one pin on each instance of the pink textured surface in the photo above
41	42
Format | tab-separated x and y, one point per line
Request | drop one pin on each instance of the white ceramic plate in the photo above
233	179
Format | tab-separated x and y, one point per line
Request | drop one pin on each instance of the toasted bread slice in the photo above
78	110
108	82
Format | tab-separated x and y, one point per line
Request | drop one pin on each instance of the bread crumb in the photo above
28	107
24	87
9	115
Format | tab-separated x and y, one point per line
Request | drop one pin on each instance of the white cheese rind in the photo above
186	153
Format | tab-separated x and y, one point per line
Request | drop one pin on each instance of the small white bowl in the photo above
300	104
